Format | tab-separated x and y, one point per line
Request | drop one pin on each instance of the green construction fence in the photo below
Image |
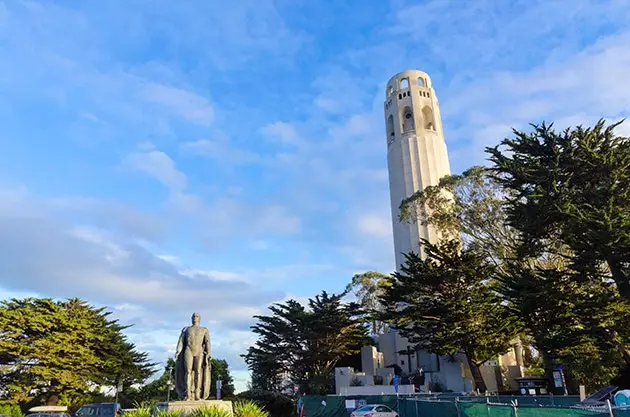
497	406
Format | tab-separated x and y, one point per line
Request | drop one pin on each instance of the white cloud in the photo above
41	254
221	150
375	226
190	106
160	166
280	131
579	90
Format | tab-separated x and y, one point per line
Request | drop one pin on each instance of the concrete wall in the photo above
370	359
343	377
510	373
377	390
492	377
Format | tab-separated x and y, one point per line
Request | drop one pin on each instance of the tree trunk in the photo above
548	366
53	399
620	277
480	384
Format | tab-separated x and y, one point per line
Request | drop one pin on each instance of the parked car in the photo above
48	411
99	410
374	410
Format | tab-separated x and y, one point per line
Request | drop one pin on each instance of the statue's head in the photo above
196	318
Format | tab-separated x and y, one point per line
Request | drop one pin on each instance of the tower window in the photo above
407	120
390	126
429	120
399	96
404	83
420	82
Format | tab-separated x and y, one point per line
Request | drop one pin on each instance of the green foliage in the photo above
276	404
568	196
467	206
220	371
249	408
169	413
62	351
368	287
553	215
306	344
574	187
209	412
579	321
142	410
11	410
445	304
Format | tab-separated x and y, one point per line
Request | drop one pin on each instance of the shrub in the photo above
249	408
168	413
209	412
141	410
276	404
11	410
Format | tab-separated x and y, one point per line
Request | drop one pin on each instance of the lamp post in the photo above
169	384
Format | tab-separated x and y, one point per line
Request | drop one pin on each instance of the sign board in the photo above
557	379
351	404
219	386
120	386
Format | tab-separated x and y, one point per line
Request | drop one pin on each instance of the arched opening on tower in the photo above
429	119
408	123
390	127
420	82
404	83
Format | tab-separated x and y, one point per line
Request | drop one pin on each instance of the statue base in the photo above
187	407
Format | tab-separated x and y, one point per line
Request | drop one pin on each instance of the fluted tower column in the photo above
416	152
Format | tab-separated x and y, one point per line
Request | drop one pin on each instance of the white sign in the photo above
219	385
351	404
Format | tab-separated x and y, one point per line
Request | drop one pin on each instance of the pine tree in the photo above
574	187
60	351
305	344
445	304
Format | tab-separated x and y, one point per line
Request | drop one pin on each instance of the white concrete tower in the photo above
416	152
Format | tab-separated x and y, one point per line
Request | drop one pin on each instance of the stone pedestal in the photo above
186	407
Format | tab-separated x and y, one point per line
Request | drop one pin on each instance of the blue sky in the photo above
164	157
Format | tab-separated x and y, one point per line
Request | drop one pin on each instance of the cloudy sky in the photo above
163	157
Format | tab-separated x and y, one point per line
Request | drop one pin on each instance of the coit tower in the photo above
416	152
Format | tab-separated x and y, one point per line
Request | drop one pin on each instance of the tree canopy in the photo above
368	287
304	344
444	305
551	213
573	186
468	206
60	351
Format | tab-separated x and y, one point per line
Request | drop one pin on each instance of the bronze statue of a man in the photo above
193	362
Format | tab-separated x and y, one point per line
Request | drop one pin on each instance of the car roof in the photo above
48	409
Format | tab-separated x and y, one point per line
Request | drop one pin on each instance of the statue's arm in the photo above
180	342
206	343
